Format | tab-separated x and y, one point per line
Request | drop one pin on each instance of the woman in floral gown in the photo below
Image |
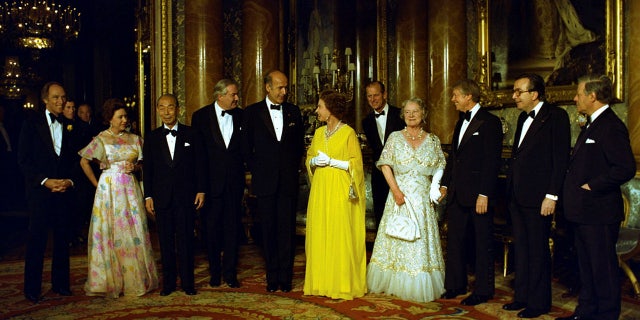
335	237
120	255
411	270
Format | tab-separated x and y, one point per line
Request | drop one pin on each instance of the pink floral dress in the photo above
120	255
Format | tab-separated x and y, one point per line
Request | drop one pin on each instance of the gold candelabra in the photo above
327	71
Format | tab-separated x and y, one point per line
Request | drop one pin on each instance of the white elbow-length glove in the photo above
434	193
340	164
321	160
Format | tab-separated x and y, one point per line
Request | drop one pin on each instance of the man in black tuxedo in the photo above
601	161
534	183
378	125
470	179
174	187
273	151
46	156
219	126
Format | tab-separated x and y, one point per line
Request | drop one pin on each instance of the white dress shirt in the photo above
528	121
276	118
226	124
381	121
171	140
465	123
55	128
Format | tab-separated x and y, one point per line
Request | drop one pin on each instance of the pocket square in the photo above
590	141
476	133
186	144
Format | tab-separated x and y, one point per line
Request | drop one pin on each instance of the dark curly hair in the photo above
110	107
335	102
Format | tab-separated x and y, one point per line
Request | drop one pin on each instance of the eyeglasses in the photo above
410	113
518	92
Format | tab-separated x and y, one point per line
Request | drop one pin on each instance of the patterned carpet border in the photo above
248	302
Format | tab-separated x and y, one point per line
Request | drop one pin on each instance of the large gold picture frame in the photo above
614	57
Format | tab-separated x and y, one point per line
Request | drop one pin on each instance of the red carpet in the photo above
249	302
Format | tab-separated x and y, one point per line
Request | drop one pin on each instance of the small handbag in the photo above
353	194
403	222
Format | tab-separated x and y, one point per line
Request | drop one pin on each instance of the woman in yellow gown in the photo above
335	236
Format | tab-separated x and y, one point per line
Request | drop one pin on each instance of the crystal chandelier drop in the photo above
38	24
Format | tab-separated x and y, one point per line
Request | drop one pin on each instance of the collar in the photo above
385	110
598	112
175	127
474	110
269	103
536	109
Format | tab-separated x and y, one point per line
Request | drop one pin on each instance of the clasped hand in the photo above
321	160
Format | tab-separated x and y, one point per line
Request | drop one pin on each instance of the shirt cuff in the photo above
552	197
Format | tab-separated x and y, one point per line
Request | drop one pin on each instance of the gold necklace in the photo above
412	137
329	133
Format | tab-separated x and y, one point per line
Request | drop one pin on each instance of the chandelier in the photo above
38	24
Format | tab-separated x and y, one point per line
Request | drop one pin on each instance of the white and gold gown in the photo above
410	270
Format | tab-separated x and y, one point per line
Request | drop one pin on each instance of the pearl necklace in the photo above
329	133
412	137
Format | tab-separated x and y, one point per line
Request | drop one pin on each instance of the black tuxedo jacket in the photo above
537	167
270	161
602	158
178	179
37	157
225	165
473	165
394	123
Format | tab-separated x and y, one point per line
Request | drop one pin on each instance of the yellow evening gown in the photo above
335	236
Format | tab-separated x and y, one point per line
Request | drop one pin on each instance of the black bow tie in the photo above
588	120
379	114
54	118
532	114
467	115
223	113
275	107
173	132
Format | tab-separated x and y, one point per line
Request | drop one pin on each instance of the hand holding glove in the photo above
434	192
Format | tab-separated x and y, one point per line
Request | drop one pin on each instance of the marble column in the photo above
412	64
204	59
447	61
261	49
633	91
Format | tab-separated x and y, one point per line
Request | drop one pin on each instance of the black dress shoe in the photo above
513	306
285	287
62	292
190	291
232	283
573	317
530	313
272	287
451	294
214	283
474	299
166	291
32	297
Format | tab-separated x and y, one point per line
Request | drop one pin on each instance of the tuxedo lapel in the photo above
178	150
216	133
516	139
476	122
263	113
237	127
45	133
456	135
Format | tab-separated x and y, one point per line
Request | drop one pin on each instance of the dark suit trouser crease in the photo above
223	223
459	218
175	232
600	295
51	213
532	257
277	216
380	192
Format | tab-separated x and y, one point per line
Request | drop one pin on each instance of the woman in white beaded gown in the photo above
410	270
